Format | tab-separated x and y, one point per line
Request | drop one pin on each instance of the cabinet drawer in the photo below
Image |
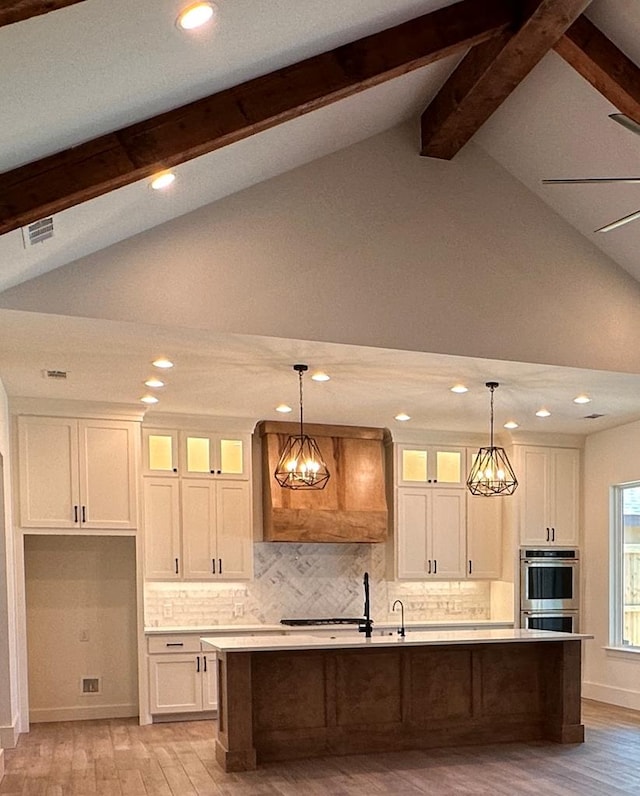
176	642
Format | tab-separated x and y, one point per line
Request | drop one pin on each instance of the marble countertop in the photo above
413	638
240	629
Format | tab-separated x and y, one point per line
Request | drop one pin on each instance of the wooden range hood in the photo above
351	508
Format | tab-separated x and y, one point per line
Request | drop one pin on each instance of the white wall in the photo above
376	246
76	585
8	632
611	457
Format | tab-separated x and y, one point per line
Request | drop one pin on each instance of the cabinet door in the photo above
411	542
565	496
447	533
199	529
219	455
175	683
484	536
48	468
234	531
162	528
421	465
534	497
159	452
108	452
209	681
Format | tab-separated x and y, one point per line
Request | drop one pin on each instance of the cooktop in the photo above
334	621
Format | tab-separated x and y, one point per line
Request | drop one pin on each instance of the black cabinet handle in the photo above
470	566
429	570
197	663
219	566
174	644
84	514
435	566
177	566
553	534
548	535
204	660
75	514
213	565
175	469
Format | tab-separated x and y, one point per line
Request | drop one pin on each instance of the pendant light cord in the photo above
492	388
301	410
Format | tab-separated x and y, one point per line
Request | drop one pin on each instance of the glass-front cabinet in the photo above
421	465
195	454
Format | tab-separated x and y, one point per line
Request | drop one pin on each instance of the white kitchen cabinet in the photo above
549	495
182	683
424	465
484	537
196	529
431	533
77	474
159	452
212	454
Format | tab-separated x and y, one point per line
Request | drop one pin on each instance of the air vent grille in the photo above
37	232
593	416
59	375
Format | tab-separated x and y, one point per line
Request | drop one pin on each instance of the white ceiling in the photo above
70	75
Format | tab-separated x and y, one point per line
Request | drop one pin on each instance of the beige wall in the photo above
77	584
611	457
371	245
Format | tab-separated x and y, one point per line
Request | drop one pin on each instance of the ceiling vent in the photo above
37	232
594	416
58	375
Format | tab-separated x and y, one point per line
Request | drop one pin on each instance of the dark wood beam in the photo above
111	161
606	67
490	72
16	10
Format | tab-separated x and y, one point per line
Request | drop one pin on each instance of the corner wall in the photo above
611	457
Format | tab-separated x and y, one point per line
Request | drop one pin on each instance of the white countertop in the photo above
279	628
412	639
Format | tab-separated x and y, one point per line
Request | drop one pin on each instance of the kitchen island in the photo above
289	697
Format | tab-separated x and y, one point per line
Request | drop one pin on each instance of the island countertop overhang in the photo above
267	643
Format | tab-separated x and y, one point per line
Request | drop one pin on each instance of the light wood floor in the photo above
119	757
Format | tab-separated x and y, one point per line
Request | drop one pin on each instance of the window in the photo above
625	566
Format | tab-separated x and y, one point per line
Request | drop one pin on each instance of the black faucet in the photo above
366	625
393	608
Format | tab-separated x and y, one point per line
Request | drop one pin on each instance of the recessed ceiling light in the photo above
149	399
195	15
283	408
582	399
162	362
459	388
154	383
162	180
320	375
511	424
403	417
543	413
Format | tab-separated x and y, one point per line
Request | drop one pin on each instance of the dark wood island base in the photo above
296	703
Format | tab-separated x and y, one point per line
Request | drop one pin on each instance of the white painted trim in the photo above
9	736
1	764
58	407
225	425
80	713
622	697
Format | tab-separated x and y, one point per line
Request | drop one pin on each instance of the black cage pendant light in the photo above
301	465
492	474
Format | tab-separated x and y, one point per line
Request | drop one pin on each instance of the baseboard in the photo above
622	697
9	737
82	713
201	715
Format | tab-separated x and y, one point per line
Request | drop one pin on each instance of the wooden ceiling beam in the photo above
607	68
91	169
16	10
490	72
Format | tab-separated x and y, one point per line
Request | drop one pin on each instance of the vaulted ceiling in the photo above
104	95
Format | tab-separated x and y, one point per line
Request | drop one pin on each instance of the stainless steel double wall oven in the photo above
549	589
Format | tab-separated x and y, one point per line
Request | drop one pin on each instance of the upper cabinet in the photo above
77	474
423	465
548	495
195	454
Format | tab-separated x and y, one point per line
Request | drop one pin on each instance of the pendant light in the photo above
301	465
492	473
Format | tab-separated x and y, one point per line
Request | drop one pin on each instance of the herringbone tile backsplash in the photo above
312	580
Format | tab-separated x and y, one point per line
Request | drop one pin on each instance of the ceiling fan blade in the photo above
619	222
626	121
593	180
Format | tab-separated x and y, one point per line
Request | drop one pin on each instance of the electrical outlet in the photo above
238	609
167	610
84	635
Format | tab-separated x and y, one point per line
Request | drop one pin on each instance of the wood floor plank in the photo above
117	757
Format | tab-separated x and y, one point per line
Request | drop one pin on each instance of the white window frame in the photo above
616	568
